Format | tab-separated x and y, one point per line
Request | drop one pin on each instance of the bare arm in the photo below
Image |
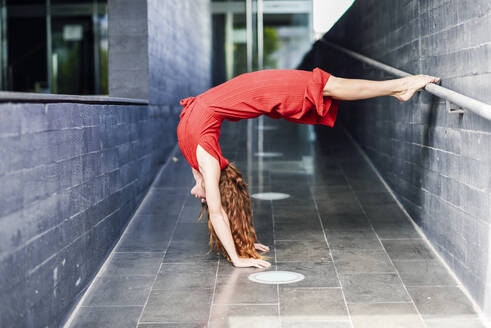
354	89
210	169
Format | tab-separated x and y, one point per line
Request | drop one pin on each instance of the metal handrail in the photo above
476	106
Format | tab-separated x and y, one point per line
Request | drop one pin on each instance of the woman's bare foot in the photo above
412	83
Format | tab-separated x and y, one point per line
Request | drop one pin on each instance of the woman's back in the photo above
274	92
294	95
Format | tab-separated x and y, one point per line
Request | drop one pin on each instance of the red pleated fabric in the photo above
294	95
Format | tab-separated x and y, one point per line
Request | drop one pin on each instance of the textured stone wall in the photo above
128	43
179	49
72	174
439	164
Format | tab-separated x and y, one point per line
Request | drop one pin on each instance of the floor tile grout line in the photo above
275	260
138	252
287	285
309	240
171	188
411	303
107	275
303	261
383	247
198	261
400	238
431	286
367	159
166	322
247	304
214	291
104	265
165	252
110	306
297	261
397	272
352	273
330	255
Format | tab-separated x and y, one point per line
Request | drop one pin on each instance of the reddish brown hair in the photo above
237	204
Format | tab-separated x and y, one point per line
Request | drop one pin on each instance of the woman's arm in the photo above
210	169
354	89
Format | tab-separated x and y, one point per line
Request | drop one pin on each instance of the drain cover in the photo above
276	277
270	195
268	154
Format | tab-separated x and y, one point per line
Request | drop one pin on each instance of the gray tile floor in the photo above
365	264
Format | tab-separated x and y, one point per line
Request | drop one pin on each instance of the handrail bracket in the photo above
453	108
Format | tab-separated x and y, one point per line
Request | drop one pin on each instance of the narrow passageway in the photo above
364	263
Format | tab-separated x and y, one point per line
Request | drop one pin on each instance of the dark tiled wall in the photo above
439	164
179	49
72	175
128	41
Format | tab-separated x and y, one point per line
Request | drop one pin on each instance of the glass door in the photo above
286	32
251	35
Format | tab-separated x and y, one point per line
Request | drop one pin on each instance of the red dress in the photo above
294	95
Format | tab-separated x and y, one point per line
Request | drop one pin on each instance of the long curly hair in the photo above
237	204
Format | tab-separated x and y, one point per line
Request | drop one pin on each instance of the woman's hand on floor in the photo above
243	262
261	247
412	84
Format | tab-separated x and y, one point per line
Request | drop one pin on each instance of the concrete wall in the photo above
179	49
439	164
155	54
128	44
73	174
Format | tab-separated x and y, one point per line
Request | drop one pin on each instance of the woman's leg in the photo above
354	89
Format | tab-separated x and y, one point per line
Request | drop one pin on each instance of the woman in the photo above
309	97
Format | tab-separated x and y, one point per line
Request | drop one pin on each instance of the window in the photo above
54	46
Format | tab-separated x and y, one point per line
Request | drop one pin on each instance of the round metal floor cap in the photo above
276	277
270	195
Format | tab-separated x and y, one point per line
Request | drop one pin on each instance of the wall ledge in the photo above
12	96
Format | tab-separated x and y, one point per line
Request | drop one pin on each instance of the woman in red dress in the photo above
308	97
